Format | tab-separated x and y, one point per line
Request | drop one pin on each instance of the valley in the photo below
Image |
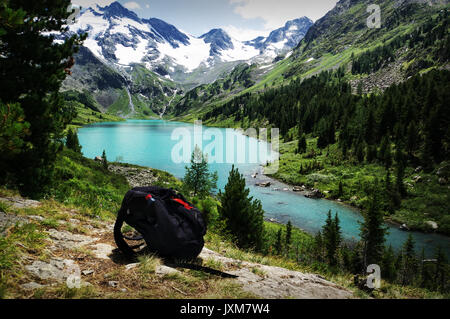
95	106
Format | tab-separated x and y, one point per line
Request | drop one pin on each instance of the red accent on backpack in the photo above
179	201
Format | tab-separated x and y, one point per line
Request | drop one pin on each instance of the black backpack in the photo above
171	227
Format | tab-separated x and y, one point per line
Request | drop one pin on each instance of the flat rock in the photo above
8	220
67	240
32	285
135	176
36	218
102	251
19	202
56	269
432	224
164	270
276	282
131	266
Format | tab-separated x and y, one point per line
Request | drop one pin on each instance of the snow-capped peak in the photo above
118	36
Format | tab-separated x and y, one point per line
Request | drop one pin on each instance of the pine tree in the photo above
387	154
288	236
243	216
72	141
409	262
278	243
318	247
373	230
32	69
400	172
13	130
104	160
412	139
388	264
441	272
426	274
197	177
359	151
340	190
332	238
301	148
393	199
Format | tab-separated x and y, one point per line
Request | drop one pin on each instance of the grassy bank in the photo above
86	191
87	116
426	199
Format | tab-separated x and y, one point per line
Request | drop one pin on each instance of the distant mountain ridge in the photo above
413	39
118	36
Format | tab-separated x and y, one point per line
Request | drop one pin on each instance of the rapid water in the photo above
149	143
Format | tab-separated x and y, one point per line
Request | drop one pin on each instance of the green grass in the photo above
426	201
121	105
82	182
87	116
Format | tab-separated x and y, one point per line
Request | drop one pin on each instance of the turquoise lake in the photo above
149	143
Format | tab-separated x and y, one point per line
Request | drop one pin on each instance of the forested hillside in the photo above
413	38
355	105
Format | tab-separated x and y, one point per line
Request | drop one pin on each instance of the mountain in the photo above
120	45
413	39
132	92
282	39
118	36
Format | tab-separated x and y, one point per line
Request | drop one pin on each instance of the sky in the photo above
242	19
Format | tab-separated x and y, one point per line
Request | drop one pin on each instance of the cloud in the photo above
243	34
147	6
276	13
92	3
132	5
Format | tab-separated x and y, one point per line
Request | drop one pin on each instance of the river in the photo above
150	143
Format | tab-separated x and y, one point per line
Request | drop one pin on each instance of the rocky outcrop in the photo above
276	283
90	259
263	184
315	194
135	176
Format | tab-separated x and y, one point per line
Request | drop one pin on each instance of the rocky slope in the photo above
79	252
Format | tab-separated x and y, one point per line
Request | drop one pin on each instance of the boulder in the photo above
263	184
443	171
103	251
297	189
432	224
315	193
56	269
404	227
417	179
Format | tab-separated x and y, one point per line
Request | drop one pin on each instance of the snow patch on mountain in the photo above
118	36
240	51
128	55
189	56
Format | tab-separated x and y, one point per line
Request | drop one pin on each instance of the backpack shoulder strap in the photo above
118	236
